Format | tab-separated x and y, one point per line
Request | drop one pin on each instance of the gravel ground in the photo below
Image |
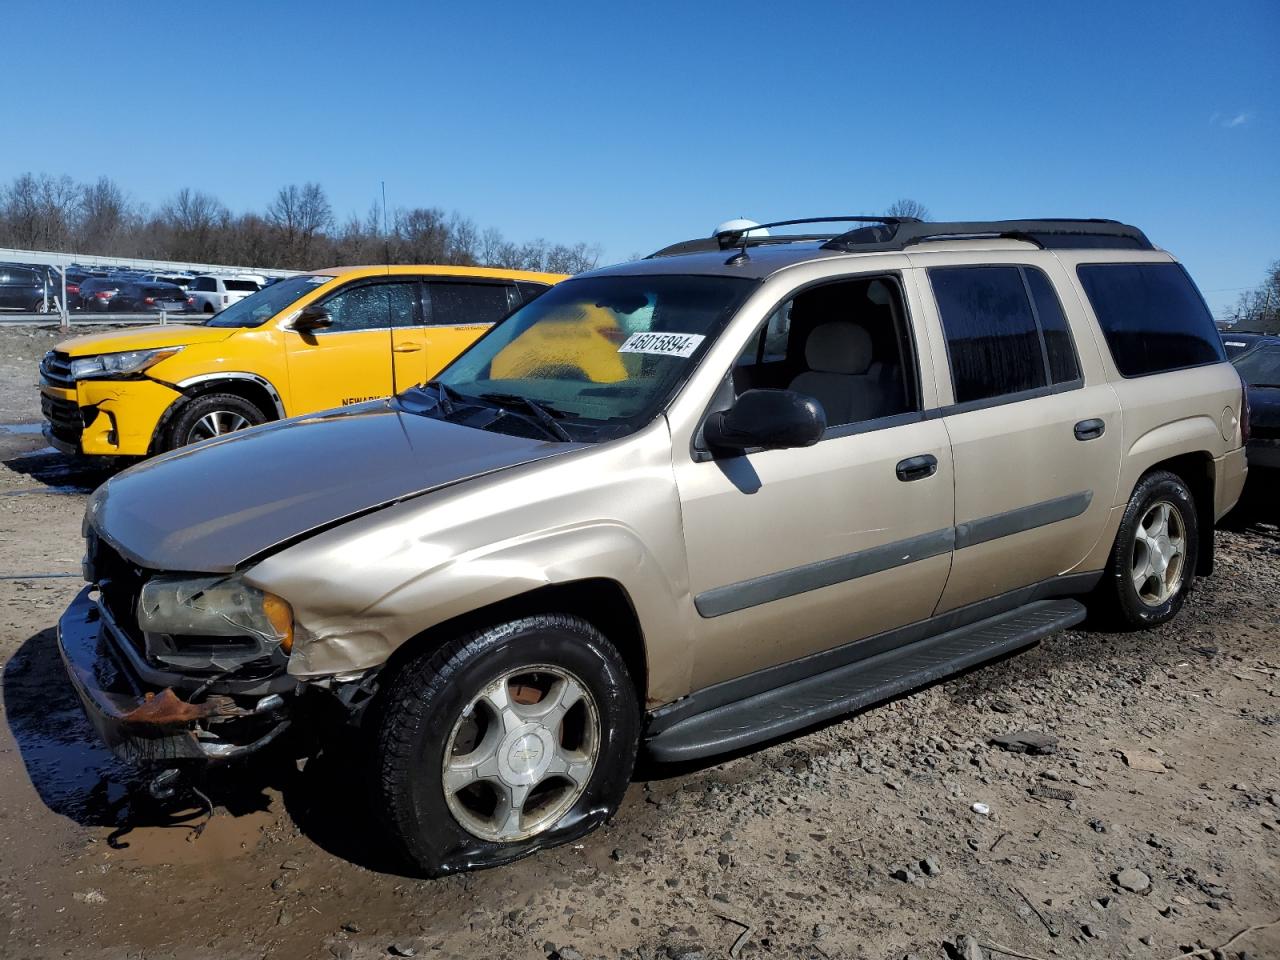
1152	829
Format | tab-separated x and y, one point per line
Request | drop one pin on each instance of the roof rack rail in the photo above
1046	234
728	239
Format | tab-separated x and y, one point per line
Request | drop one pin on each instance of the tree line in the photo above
297	230
1258	310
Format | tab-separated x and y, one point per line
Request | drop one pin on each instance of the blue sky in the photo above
635	127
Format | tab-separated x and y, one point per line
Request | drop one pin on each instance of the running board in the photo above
803	703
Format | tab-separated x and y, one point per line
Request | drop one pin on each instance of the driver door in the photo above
374	324
796	551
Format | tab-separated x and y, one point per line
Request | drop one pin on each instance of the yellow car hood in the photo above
143	338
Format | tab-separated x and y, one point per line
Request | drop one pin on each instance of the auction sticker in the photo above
662	344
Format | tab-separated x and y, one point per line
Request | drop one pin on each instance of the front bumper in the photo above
105	417
140	721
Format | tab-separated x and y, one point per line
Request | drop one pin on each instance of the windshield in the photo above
600	354
258	308
1260	367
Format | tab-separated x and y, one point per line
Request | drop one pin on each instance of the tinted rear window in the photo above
1152	317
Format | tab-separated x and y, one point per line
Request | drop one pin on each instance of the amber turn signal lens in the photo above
280	616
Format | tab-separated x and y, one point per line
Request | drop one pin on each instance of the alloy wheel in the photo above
1159	548
215	423
521	753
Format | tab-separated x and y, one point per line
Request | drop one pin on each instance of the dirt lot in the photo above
859	840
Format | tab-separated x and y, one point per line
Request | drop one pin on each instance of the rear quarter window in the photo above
1152	317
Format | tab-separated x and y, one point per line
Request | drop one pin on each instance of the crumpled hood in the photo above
211	507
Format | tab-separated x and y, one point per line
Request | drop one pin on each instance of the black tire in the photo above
423	703
1118	596
183	427
40	306
208	308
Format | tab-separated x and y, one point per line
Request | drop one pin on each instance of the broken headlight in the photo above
215	607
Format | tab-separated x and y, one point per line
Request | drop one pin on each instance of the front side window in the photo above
600	354
845	343
1152	317
374	306
992	340
258	308
464	304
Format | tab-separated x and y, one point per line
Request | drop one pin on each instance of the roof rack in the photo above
746	236
1046	234
898	233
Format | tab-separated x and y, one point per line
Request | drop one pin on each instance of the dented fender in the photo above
361	590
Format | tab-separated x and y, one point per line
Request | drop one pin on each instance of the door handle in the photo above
1090	429
917	468
406	348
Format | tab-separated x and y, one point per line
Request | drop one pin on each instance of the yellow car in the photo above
306	343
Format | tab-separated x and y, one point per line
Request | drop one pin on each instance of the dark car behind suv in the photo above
1259	368
96	293
24	287
152	297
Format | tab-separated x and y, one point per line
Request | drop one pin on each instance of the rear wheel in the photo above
1153	560
211	415
502	742
208	308
41	306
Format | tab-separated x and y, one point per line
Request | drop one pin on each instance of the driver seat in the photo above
839	357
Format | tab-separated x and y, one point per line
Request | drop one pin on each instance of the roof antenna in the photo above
741	255
386	259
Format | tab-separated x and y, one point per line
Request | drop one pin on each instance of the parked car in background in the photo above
214	293
180	280
24	288
143	297
512	581
96	293
1238	343
314	341
1259	368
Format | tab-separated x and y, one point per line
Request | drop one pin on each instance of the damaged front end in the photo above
178	668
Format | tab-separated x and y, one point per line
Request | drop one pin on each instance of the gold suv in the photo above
306	343
809	474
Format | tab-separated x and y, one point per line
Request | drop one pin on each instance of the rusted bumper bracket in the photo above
141	724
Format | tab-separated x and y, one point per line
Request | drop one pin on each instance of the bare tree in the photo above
39	212
105	217
906	207
300	214
297	229
196	223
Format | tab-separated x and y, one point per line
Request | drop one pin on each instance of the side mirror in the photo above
314	317
768	419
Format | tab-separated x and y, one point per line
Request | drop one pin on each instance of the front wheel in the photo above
1153	561
502	742
209	416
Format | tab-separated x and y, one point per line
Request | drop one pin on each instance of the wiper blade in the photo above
446	397
543	414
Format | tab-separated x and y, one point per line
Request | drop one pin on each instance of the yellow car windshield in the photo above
257	308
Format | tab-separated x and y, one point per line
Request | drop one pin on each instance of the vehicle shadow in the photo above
58	471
